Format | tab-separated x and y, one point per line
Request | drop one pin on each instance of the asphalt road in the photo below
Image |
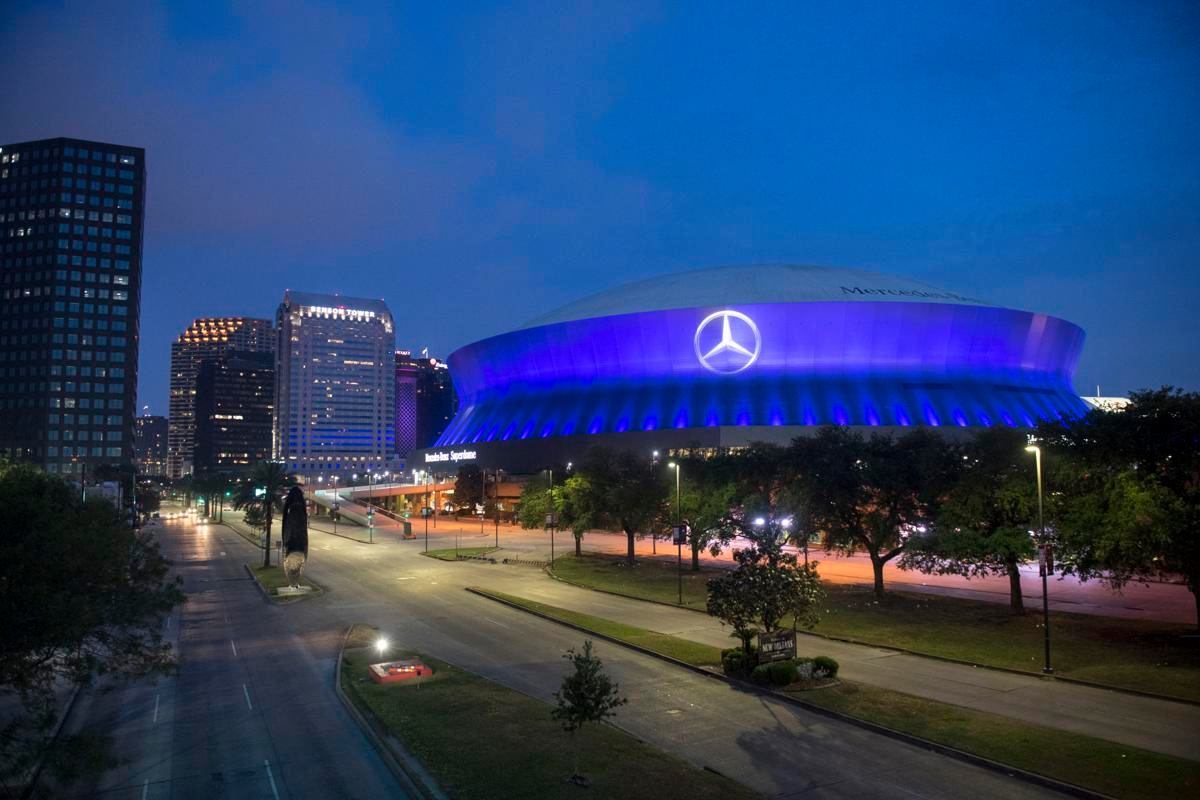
774	747
251	712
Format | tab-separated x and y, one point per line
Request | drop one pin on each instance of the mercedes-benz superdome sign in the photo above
889	357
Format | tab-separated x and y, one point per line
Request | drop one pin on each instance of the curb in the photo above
917	741
276	601
947	659
406	769
261	589
239	533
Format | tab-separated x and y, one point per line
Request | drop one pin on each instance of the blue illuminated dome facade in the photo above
727	356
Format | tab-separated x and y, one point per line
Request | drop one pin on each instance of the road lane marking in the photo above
156	698
271	778
145	788
234	646
494	622
246	692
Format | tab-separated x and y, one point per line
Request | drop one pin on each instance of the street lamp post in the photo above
553	517
1045	566
335	505
678	531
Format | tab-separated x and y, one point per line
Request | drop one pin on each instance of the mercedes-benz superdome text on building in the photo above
727	356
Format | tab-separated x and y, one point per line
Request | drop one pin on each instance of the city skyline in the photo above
1050	171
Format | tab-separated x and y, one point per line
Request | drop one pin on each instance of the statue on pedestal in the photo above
295	536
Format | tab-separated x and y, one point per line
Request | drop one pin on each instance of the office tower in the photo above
208	337
334	384
425	401
235	399
150	445
70	278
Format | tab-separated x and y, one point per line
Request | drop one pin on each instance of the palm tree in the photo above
265	487
211	484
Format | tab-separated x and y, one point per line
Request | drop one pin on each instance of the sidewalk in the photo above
1162	602
1158	725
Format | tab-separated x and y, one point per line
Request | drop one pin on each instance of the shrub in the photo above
825	667
761	675
784	673
737	663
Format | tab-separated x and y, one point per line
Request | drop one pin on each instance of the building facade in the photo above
335	384
722	358
150	445
235	401
205	338
425	401
71	215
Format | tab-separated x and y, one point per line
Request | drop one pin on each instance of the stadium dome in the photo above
729	355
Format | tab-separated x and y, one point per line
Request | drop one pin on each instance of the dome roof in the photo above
751	284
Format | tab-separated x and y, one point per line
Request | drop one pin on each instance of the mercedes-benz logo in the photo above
737	348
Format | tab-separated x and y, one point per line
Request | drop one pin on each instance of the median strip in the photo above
1080	765
478	739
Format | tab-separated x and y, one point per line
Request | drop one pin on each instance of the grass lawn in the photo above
1102	766
482	740
272	577
450	554
687	651
1137	654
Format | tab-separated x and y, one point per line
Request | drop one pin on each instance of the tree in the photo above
873	494
587	694
264	487
766	586
148	500
82	594
1126	490
210	485
468	487
985	522
708	495
618	489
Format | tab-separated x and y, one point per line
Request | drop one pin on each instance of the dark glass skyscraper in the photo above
425	401
235	396
70	282
205	338
150	445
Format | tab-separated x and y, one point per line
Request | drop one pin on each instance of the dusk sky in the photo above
477	166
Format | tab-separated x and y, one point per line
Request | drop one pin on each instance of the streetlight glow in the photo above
381	644
759	522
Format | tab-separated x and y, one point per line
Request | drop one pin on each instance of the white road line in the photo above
271	778
234	646
494	622
156	698
145	788
246	692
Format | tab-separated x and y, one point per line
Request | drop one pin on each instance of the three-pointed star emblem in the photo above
736	349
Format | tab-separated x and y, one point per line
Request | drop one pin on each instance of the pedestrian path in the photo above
1152	724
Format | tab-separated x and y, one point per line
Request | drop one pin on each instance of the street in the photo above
251	713
282	666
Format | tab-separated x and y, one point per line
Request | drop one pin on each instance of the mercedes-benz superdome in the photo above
727	356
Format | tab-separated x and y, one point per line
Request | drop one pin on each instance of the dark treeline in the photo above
1122	496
